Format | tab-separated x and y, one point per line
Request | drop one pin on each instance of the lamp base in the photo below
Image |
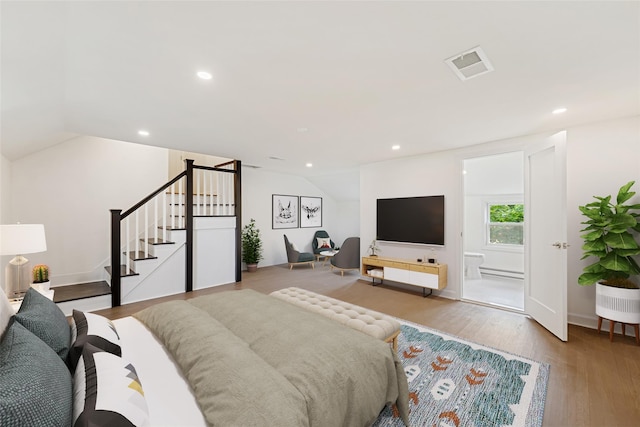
17	277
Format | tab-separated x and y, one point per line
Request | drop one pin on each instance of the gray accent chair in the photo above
295	257
349	256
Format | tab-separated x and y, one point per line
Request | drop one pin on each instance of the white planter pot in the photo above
618	304
42	286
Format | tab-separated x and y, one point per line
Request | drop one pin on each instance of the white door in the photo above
546	235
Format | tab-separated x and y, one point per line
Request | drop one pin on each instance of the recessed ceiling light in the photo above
559	110
309	165
143	132
204	75
395	147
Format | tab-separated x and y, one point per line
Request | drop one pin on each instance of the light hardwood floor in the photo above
592	382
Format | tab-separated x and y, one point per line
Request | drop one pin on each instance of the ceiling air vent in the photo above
471	63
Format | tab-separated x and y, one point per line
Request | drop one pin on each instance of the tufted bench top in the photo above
370	322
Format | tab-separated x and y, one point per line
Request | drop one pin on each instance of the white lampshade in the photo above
20	239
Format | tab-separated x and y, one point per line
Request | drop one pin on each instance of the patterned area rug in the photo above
454	383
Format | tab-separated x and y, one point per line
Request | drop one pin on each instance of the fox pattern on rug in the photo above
456	383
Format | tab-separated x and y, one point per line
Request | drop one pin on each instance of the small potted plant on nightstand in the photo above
251	246
41	277
609	236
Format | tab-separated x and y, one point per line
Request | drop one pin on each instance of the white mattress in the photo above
169	398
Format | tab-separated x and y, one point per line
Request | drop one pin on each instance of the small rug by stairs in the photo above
455	383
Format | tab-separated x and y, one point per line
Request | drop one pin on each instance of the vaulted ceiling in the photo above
331	83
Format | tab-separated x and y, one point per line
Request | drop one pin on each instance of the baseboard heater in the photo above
502	272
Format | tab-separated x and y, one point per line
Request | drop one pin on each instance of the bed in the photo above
234	358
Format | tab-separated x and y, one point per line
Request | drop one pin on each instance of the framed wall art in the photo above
310	211
284	211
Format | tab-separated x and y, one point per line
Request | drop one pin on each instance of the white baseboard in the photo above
502	273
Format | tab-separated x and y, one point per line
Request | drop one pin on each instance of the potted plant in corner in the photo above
609	236
251	246
41	277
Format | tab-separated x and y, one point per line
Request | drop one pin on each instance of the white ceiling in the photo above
360	76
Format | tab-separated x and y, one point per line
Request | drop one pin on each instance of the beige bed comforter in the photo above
254	360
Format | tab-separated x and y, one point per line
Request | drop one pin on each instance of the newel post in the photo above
115	257
237	197
189	227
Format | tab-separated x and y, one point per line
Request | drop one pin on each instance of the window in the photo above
505	224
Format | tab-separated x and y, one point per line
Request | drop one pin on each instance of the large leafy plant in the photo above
251	243
609	237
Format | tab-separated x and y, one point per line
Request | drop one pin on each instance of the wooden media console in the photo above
426	275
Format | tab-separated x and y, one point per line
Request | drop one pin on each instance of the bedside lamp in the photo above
20	239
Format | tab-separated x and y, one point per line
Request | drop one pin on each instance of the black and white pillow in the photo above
90	328
107	392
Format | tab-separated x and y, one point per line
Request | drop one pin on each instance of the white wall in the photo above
339	219
5	207
5	189
426	175
70	188
346	222
600	158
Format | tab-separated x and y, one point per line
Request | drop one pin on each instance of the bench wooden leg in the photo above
393	339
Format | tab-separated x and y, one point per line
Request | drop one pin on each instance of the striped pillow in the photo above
107	391
89	328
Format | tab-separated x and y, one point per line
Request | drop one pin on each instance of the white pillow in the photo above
6	311
294	247
324	242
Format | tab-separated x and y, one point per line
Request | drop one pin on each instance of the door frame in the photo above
494	151
524	144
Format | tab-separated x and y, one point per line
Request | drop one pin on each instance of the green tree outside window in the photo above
506	224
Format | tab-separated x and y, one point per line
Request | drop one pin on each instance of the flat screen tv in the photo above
411	220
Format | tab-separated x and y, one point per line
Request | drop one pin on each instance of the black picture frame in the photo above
285	211
310	212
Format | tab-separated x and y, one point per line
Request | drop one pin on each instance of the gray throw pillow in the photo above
44	318
35	385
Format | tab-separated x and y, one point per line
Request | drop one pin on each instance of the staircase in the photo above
88	296
183	236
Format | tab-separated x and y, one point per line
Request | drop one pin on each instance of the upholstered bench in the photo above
370	322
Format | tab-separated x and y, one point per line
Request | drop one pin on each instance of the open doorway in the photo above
493	237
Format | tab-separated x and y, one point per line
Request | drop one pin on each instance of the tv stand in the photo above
423	274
